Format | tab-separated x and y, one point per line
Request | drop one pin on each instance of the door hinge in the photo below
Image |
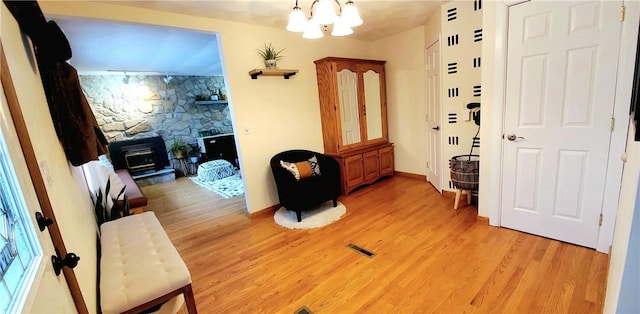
600	220
613	124
622	13
427	165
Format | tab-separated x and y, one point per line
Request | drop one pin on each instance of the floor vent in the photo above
361	250
303	310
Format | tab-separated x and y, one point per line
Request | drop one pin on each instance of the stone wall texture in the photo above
146	106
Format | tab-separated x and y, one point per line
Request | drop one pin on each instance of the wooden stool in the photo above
458	194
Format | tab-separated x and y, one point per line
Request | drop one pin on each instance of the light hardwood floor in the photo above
429	258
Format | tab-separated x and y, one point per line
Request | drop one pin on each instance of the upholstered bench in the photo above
137	200
139	266
215	169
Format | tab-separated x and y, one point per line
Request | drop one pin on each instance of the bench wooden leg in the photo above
190	300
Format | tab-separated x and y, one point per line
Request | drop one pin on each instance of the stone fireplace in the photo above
148	107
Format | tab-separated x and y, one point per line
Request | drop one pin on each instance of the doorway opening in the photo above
148	81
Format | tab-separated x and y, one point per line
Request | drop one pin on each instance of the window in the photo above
20	251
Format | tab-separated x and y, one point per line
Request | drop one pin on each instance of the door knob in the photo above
513	137
43	221
71	261
436	128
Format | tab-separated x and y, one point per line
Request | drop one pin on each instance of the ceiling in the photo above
103	47
100	46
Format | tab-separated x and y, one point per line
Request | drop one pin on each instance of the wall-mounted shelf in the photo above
286	73
210	102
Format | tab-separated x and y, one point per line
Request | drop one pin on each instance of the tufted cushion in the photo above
138	263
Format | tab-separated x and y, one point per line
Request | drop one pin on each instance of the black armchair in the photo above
308	192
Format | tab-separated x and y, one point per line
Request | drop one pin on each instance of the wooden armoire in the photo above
353	107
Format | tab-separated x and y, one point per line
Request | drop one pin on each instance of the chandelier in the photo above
325	14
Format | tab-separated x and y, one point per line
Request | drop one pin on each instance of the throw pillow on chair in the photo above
302	169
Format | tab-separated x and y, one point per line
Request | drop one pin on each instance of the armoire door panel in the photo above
371	165
353	171
386	161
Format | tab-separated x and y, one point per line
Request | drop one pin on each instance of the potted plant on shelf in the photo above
179	149
270	55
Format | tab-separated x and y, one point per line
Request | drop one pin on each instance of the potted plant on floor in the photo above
103	211
179	149
195	153
270	56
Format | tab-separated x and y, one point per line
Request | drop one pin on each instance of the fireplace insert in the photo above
139	155
139	159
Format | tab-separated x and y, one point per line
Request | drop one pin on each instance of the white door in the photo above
40	290
561	71
434	140
349	115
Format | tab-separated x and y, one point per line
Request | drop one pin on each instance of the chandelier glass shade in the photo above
297	20
312	30
341	28
322	14
350	13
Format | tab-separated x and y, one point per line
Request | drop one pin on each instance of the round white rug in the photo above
319	216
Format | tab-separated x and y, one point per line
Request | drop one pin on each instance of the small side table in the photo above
181	164
192	167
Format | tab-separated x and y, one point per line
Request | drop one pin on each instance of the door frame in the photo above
497	82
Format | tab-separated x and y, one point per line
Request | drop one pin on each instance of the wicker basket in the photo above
465	171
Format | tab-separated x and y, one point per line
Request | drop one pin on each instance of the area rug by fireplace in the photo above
319	216
227	187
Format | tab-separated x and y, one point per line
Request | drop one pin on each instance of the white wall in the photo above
628	199
491	117
48	292
457	134
432	29
406	107
65	184
280	114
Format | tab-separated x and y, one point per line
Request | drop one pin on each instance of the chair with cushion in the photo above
304	183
